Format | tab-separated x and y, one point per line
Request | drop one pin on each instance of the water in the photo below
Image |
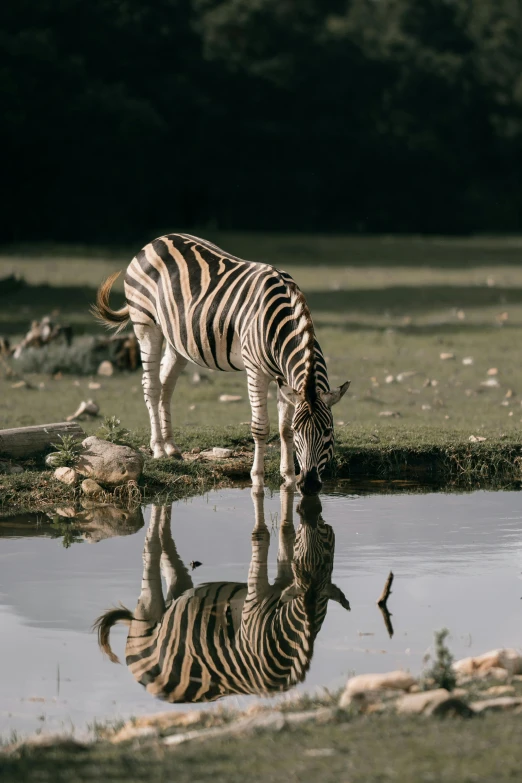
457	561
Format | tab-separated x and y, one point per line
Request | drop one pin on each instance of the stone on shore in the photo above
66	476
109	463
396	681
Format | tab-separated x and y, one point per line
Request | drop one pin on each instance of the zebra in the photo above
226	313
201	643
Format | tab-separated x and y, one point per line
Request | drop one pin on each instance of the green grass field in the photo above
374	748
385	309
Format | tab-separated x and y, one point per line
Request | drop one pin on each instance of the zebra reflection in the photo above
201	643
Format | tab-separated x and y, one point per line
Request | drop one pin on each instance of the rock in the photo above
99	521
222	453
105	368
397	681
437	702
109	463
467	360
499	690
491	383
501	704
446	356
69	512
195	450
492	371
369	701
389	379
476	439
506	660
91	487
392	414
94	385
270	720
230	397
402	376
66	475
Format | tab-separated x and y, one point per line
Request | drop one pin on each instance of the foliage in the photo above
113	431
441	672
61	527
376	116
67	451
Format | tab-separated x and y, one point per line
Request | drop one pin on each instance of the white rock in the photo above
222	453
476	438
502	703
105	368
109	463
91	487
398	680
492	371
408	374
436	702
467	360
446	356
390	414
508	659
69	512
491	383
389	379
230	397
66	475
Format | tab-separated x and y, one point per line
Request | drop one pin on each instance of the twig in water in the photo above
386	590
382	604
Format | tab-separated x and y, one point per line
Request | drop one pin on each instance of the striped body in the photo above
224	638
225	313
206	302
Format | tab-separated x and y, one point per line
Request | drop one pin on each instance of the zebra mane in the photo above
308	387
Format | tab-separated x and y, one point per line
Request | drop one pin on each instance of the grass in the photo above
383	308
408	750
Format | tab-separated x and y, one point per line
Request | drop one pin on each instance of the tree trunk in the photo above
23	442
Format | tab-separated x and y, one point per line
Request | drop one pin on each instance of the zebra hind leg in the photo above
150	339
172	365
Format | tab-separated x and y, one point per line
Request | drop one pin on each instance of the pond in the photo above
457	561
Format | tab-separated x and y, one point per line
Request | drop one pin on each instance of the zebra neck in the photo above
303	366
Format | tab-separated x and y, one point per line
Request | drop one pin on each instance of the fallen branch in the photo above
386	591
382	604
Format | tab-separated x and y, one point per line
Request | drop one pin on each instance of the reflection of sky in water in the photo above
457	561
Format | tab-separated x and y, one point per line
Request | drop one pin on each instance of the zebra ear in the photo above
336	594
289	395
290	592
332	397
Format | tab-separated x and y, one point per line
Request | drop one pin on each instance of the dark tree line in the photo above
122	117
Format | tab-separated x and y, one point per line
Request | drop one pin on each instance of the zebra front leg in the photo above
285	552
257	394
286	411
150	339
173	568
172	365
258	583
150	603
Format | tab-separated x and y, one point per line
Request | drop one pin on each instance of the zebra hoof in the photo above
173	451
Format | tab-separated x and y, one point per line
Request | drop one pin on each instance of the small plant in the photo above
113	431
441	672
67	452
67	530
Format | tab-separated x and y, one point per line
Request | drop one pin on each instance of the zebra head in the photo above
313	560
313	431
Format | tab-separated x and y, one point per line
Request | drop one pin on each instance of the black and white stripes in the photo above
220	638
228	314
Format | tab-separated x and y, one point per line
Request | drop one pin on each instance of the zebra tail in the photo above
104	624
103	312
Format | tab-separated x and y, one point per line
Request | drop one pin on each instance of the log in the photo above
23	442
